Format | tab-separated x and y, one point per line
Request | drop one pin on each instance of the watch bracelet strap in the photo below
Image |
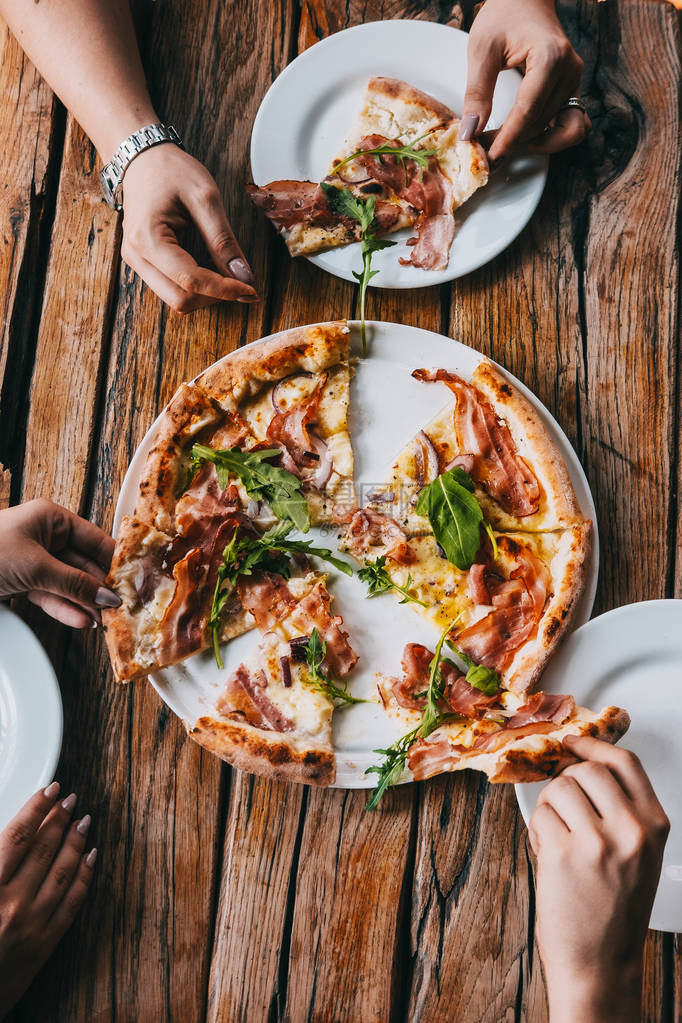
111	175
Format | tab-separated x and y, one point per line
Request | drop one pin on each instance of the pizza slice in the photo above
404	156
256	446
451	723
274	716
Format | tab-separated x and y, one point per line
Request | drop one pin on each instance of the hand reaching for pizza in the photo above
58	560
598	832
164	192
44	878
524	34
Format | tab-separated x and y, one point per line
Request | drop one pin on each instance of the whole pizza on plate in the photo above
477	527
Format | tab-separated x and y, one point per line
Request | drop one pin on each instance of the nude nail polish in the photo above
240	269
467	127
91	857
107	598
52	790
84	824
69	803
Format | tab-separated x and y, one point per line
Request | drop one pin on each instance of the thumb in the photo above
54	576
483	68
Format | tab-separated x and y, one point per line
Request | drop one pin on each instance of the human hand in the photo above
598	832
165	190
44	878
528	34
58	560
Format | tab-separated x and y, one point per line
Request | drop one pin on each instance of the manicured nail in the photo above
467	127
69	803
52	790
84	824
241	270
90	858
107	598
249	299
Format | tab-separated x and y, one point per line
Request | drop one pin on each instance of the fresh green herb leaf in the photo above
223	590
315	653
392	766
344	203
275	540
402	153
379	581
487	680
455	516
262	481
434	693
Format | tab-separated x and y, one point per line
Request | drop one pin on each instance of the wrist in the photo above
596	996
116	128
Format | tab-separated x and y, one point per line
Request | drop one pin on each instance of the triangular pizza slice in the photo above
405	155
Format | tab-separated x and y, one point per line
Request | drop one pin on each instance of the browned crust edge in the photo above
272	756
394	88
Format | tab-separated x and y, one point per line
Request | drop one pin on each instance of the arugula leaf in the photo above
487	680
275	540
434	693
379	581
345	204
455	516
262	481
393	765
315	653
402	153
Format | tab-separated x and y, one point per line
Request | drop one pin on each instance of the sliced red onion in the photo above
326	466
288	462
297	647
462	461
428	464
378	496
253	509
276	391
286	672
350	180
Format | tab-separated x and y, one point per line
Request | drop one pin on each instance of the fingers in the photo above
77	560
66	911
624	764
63	870
545	826
601	788
483	66
569	801
89	540
51	575
167	291
64	611
209	215
44	845
165	253
16	838
528	107
569	128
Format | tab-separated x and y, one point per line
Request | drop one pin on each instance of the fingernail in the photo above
84	824
249	299
91	857
69	803
107	598
241	270
467	127
52	790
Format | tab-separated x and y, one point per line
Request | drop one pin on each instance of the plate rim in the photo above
348	762
294	67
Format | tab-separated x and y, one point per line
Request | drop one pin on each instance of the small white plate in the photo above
387	408
30	715
310	108
631	657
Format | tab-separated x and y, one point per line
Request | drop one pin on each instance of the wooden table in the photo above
225	897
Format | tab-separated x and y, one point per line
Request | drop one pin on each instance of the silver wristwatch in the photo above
111	176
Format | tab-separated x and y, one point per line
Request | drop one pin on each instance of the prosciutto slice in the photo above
367	528
497	465
290	429
203	503
287	203
458	696
246	696
518	603
543	707
268	598
232	432
313	612
182	627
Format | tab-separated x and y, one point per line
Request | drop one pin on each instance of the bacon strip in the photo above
246	696
368	528
498	467
518	604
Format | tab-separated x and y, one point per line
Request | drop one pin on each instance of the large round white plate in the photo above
631	657
387	408
30	715
310	108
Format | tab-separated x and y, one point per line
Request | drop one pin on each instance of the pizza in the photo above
515	596
510	737
403	154
259	439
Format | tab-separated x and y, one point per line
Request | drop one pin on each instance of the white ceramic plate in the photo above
387	408
30	715
632	657
311	106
